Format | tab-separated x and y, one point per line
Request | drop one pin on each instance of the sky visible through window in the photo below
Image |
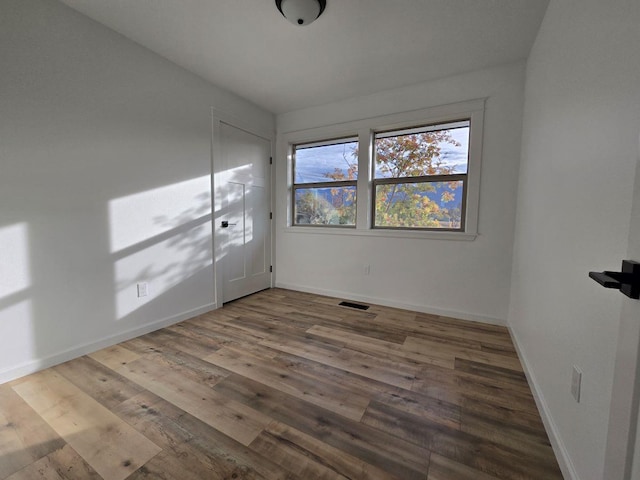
313	164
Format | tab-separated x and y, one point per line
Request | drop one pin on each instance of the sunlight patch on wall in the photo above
160	237
14	266
141	216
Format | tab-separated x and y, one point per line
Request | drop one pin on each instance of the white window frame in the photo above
316	185
424	179
364	129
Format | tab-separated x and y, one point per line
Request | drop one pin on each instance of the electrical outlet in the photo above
576	382
367	269
143	289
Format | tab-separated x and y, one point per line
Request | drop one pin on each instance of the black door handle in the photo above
627	281
226	224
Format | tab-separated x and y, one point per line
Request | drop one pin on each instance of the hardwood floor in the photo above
283	385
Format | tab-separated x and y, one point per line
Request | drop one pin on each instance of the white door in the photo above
631	319
622	461
242	220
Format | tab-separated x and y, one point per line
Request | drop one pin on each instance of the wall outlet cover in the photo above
143	289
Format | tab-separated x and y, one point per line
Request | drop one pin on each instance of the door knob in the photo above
627	281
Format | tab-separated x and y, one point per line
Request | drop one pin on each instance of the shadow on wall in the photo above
105	169
159	238
16	290
58	294
173	249
63	283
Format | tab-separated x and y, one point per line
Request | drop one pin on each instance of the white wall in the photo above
459	278
579	151
105	171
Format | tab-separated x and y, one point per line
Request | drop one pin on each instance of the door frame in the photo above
218	117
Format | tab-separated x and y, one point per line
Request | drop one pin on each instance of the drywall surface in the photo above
468	279
105	182
579	151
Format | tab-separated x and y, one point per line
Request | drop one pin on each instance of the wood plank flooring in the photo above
283	385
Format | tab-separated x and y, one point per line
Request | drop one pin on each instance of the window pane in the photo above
324	163
412	153
325	206
420	205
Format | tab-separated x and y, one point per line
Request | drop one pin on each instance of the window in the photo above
420	176
415	174
325	176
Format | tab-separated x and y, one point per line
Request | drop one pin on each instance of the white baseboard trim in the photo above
392	303
38	364
564	460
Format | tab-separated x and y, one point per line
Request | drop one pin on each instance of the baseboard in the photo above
33	366
564	460
392	303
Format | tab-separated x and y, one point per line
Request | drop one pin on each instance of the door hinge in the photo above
270	215
270	160
271	268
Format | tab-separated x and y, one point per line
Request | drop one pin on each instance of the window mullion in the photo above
364	189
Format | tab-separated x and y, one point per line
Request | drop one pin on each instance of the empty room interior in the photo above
360	239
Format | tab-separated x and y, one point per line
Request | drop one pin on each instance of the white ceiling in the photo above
356	47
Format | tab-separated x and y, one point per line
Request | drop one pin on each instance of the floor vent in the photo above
359	306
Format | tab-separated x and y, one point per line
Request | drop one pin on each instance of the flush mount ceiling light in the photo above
301	12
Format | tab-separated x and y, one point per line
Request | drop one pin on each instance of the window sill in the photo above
349	231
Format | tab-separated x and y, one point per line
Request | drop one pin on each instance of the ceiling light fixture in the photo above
301	12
